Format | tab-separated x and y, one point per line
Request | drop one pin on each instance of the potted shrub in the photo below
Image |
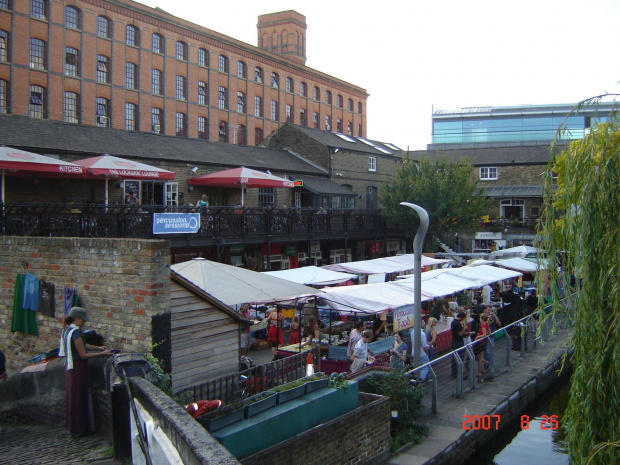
223	416
259	403
290	390
316	381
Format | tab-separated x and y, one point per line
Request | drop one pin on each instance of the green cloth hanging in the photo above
23	320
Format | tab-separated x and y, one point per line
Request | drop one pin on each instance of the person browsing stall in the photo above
360	352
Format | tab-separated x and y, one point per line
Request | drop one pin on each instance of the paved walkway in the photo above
446	434
31	444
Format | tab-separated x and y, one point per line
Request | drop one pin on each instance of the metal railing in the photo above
216	223
238	386
455	373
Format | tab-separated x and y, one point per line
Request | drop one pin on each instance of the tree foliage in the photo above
445	188
581	224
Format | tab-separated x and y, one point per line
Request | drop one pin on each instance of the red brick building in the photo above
120	64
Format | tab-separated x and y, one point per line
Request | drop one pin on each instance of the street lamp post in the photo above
417	280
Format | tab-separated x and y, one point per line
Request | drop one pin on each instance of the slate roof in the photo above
325	186
517	155
331	139
46	136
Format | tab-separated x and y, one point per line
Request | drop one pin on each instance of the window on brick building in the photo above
315	120
131	76
350	128
289	113
222	131
202	93
372	163
222	64
339	125
328	97
203	58
290	85
266	197
5	4
303	89
258	75
102	69
371	198
4	46
328	123
36	102
158	44
4	97
275	112
222	98
38	9
488	173
242	70
71	108
339	101
275	80
303	117
316	94
359	108
258	107
72	62
181	50
72	17
132	35
102	112
258	136
157	120
157	82
104	27
181	88
38	54
131	117
240	102
350	104
242	135
203	128
180	125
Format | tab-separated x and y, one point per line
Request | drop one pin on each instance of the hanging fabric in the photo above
23	320
47	304
31	292
71	299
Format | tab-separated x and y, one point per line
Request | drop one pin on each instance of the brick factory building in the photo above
120	64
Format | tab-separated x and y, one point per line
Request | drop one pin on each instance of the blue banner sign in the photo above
176	223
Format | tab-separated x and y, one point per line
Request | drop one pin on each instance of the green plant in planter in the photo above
316	377
226	409
291	385
258	397
338	380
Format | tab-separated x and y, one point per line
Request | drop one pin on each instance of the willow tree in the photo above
580	232
445	187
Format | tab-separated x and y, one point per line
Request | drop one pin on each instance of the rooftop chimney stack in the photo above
284	34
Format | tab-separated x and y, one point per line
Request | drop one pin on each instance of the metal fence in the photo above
454	374
90	220
238	386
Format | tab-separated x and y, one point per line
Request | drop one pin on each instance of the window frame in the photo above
328	97
222	63
36	103
5	38
242	70
259	75
76	14
203	93
289	84
131	76
180	124
134	32
157	119
100	30
222	131
5	107
372	164
39	9
72	69
258	106
222	98
71	105
180	88
266	197
274	113
303	89
203	127
203	57
288	113
131	116
157	81
241	102
102	108
104	74
180	51
275	80
158	43
485	173
37	60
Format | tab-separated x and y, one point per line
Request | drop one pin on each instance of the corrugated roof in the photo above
514	191
52	136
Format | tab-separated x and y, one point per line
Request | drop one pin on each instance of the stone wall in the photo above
122	283
359	437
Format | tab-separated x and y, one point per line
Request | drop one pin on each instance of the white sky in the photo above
413	55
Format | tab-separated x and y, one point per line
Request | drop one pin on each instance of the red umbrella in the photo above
240	177
20	161
114	167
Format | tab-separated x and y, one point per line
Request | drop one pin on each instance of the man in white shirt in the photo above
423	373
486	294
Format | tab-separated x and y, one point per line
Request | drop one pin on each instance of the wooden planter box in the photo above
289	394
312	386
254	408
213	424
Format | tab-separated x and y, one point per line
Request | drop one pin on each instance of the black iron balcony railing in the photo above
217	224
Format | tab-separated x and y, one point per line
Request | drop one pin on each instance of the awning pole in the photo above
2	191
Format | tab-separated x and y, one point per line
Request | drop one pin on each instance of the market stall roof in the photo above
519	251
115	167
484	274
312	275
396	264
234	286
368	298
440	284
524	265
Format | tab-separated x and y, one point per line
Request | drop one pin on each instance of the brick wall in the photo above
359	437
122	283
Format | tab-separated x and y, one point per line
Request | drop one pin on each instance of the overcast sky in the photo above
412	56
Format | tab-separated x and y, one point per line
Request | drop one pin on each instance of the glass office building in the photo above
515	125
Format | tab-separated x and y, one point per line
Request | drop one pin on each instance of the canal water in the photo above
533	443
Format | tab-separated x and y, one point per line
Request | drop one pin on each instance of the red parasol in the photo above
240	177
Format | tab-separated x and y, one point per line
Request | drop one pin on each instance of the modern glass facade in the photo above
513	125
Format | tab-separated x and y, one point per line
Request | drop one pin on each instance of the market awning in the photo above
396	264
513	191
519	251
524	265
312	276
234	285
115	167
322	186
